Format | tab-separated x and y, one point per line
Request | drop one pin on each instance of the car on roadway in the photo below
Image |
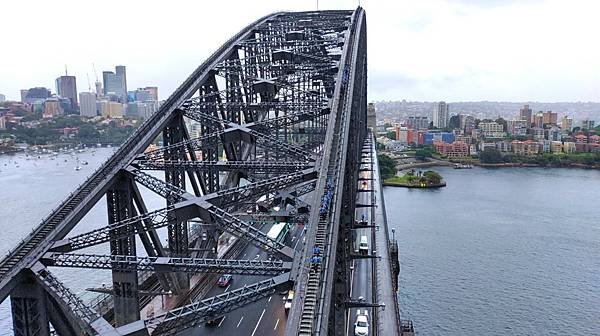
215	321
288	301
361	326
224	280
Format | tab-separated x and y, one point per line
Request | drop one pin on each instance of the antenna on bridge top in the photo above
317	4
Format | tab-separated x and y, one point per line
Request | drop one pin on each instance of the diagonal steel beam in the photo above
89	322
198	312
166	264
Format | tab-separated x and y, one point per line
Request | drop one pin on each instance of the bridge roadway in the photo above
362	269
264	317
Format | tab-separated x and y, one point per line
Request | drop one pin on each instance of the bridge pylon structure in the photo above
276	117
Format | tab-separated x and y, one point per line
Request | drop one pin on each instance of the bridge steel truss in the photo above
276	113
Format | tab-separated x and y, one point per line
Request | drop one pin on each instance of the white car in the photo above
361	326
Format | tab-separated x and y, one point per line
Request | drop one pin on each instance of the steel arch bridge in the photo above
275	118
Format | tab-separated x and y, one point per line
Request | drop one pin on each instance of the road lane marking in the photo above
240	322
297	241
223	319
270	298
226	288
257	323
276	324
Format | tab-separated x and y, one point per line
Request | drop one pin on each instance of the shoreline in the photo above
495	165
410	186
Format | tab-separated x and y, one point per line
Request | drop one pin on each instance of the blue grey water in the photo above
511	251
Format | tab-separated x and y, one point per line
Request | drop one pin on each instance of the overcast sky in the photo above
454	50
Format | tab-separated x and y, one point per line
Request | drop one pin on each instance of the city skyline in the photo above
540	50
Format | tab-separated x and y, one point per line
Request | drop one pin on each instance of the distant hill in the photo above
399	110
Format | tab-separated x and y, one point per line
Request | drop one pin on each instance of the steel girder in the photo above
287	62
198	312
81	318
166	264
258	166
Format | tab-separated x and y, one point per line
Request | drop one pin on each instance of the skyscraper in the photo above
526	114
122	74
116	83
441	111
2	98
66	87
88	104
153	92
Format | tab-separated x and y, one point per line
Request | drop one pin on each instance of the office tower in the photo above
87	107
2	98
35	94
142	95
418	123
566	124
115	83
526	114
153	92
99	92
441	111
371	117
122	74
66	87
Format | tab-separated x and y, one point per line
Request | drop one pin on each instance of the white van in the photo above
363	246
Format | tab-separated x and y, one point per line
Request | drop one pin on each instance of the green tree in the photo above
432	177
502	122
391	135
387	166
490	155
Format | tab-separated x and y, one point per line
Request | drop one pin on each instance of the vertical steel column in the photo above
119	199
28	304
177	230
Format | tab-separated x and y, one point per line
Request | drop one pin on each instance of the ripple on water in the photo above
500	250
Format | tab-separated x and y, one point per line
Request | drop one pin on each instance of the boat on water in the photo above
462	166
78	168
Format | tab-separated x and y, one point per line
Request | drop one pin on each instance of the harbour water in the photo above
510	251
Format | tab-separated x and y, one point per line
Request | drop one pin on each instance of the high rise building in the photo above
52	108
99	91
142	95
2	98
66	87
110	109
526	114
418	123
538	120
441	112
153	92
35	94
587	124
550	118
87	107
122	74
566	124
116	83
371	117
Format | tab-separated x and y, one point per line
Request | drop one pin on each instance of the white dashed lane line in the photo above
257	323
